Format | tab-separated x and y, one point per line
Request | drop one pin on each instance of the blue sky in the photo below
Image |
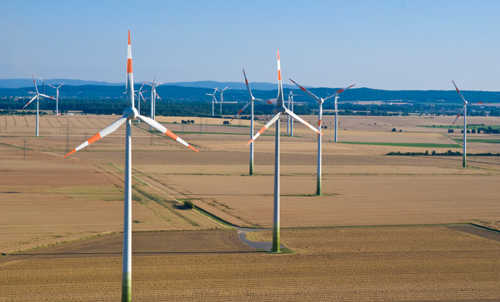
393	45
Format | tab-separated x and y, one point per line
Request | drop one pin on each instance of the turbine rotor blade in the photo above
53	86
141	87
269	102
458	115
302	121
156	94
46	96
264	128
308	92
34	82
164	130
60	86
339	91
108	130
30	101
465	102
241	110
248	86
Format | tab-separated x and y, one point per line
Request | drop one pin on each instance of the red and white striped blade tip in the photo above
74	150
191	147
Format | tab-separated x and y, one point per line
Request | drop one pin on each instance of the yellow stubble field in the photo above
339	264
45	204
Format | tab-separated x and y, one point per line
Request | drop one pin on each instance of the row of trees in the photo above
192	108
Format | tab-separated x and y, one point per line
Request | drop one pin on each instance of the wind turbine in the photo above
280	109
289	119
154	95
139	96
464	110
37	97
252	99
129	114
214	99
221	99
57	97
320	115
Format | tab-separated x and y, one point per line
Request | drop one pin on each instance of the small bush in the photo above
188	204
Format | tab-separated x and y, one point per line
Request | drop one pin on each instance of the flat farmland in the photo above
373	196
208	134
46	200
340	264
67	214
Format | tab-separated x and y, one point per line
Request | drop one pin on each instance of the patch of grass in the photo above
14	146
417	145
105	193
478	140
283	251
158	199
213	217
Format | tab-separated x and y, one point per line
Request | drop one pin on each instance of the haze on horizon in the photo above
394	45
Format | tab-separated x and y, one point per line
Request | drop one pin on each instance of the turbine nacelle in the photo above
130	113
281	110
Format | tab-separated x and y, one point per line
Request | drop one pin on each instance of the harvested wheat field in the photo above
45	200
67	214
340	264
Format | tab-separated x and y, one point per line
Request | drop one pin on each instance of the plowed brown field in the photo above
349	264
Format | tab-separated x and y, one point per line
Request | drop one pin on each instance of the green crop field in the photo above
479	140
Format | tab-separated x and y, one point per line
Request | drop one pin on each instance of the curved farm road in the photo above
258	245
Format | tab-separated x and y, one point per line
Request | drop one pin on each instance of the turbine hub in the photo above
282	110
131	113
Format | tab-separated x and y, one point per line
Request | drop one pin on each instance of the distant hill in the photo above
174	93
21	83
230	85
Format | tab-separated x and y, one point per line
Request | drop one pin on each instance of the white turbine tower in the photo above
320	115
37	97
57	97
214	100
221	99
280	109
252	99
129	114
464	110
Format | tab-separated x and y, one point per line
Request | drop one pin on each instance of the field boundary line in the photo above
60	243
